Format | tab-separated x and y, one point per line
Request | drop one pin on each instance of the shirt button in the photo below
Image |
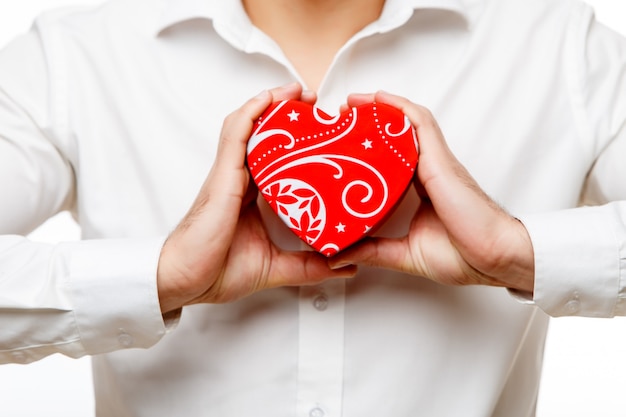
320	302
125	339
317	412
572	306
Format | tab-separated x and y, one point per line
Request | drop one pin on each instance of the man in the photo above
115	113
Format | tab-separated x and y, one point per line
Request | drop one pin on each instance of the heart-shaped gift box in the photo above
332	179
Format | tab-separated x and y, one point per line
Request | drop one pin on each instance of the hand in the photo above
221	252
458	236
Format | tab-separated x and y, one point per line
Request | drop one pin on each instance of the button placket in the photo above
321	350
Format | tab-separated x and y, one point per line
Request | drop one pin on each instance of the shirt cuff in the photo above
112	286
577	261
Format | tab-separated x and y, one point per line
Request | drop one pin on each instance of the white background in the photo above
585	364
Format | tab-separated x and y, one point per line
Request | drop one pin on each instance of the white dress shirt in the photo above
113	112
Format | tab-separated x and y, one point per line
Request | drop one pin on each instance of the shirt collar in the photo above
177	11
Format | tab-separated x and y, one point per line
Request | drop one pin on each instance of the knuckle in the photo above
424	116
229	121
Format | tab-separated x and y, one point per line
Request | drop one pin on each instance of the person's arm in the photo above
581	253
458	236
72	298
573	262
97	296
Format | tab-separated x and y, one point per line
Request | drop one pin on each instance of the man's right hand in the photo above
220	251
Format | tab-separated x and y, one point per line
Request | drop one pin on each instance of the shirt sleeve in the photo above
78	298
580	254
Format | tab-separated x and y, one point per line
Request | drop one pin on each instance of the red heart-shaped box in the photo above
332	180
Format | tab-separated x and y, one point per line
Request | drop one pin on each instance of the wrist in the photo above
519	273
172	295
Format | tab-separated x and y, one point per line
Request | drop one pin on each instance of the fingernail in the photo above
339	265
262	95
347	271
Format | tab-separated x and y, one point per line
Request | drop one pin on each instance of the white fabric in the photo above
114	112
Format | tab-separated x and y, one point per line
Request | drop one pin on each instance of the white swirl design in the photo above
405	128
330	160
256	138
320	119
329	247
368	197
278	161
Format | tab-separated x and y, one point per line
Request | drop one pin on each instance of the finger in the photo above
238	125
236	130
291	91
462	205
304	268
429	134
436	160
357	99
376	252
309	97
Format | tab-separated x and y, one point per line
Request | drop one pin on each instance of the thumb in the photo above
442	178
378	252
236	130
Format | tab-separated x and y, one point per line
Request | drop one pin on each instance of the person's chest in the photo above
148	128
